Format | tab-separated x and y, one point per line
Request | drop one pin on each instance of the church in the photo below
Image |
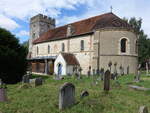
88	45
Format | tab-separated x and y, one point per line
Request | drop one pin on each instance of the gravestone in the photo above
137	76
84	94
32	80
128	70
121	70
38	81
89	71
143	109
66	95
147	71
107	81
102	73
3	96
25	78
114	76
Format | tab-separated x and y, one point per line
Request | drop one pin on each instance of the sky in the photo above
15	15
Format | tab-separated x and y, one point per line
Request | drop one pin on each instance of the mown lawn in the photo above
44	99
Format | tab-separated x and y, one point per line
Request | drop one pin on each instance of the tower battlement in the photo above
42	18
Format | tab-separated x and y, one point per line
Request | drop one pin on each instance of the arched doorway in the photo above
59	69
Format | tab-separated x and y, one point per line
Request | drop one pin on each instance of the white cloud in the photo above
8	23
23	33
24	9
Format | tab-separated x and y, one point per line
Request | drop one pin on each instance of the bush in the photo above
12	58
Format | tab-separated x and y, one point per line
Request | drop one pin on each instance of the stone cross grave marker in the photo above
66	95
107	81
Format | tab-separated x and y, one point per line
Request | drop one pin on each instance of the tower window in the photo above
63	47
82	45
48	49
123	45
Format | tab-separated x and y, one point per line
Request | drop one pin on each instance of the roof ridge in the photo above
82	20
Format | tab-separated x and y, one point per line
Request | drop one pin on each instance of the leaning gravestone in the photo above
143	109
107	81
66	95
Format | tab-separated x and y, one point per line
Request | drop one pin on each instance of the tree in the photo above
12	58
143	41
26	44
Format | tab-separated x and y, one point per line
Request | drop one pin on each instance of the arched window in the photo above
123	45
82	45
37	50
63	47
48	49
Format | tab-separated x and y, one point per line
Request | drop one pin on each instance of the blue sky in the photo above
15	15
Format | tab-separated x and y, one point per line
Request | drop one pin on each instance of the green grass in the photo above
44	99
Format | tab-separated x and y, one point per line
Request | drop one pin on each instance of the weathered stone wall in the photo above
72	45
109	49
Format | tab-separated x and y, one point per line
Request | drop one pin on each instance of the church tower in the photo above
38	25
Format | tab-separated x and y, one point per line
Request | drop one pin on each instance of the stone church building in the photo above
89	44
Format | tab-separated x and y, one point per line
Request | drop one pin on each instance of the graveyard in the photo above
26	98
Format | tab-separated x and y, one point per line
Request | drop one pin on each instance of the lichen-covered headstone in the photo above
66	95
107	81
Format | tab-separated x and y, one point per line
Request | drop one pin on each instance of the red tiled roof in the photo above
70	59
108	20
